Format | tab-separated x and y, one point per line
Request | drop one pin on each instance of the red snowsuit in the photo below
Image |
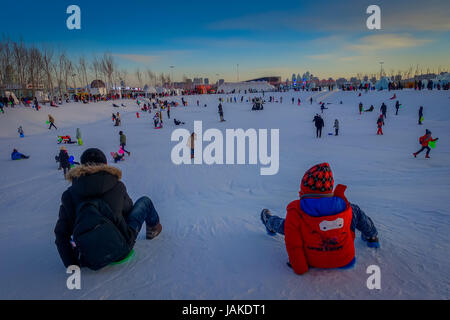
380	126
321	242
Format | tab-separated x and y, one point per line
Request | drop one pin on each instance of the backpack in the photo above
98	240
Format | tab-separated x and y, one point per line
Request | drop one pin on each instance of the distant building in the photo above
274	80
220	82
198	81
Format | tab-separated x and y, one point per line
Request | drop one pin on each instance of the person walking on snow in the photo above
383	110
380	123
221	112
397	106
424	141
420	115
191	143
336	127
319	123
98	197
123	142
361	108
20	131
63	159
78	136
51	120
320	227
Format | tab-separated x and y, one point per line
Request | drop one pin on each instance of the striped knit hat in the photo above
317	181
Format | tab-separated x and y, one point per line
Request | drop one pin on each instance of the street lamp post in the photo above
171	67
381	69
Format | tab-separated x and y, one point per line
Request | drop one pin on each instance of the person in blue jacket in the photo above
16	155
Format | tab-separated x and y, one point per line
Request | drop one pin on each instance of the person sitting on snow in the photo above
16	155
177	122
98	223
320	227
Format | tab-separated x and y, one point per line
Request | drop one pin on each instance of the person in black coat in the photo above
63	159
221	112
383	110
420	114
95	180
319	123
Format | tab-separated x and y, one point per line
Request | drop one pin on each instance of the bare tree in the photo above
20	55
108	67
151	77
47	64
82	71
138	74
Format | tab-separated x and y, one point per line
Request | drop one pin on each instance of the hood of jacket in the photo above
93	180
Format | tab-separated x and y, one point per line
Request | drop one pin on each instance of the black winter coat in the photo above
96	182
63	159
318	122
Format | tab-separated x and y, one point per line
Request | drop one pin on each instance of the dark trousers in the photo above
52	125
423	148
143	210
123	147
319	132
337	132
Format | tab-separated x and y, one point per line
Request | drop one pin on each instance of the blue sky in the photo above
206	38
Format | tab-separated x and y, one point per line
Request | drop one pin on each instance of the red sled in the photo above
394	97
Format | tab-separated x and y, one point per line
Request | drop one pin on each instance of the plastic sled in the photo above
432	144
124	260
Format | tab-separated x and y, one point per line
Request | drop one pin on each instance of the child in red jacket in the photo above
424	141
320	227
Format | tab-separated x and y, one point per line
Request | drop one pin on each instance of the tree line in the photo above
31	68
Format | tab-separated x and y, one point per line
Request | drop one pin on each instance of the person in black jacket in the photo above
319	123
420	114
63	159
383	110
95	180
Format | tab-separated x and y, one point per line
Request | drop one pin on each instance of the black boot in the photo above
153	232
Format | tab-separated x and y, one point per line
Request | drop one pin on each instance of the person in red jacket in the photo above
320	227
380	123
424	141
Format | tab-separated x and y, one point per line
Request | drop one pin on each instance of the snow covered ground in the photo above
213	245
